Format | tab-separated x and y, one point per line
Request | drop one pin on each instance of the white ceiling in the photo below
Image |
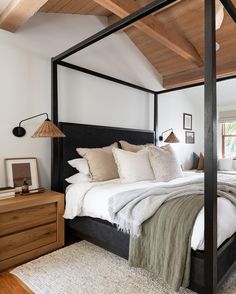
3	4
226	93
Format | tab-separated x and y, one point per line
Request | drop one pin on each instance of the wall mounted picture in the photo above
187	121
19	170
189	137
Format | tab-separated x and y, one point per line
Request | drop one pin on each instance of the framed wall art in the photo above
19	170
190	137
187	121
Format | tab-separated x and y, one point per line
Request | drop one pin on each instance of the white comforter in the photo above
92	199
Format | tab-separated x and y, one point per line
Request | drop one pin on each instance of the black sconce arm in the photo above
20	131
161	136
44	113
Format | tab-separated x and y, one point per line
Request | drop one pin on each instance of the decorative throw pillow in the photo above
225	164
80	164
164	163
133	166
201	162
79	178
130	147
101	162
195	160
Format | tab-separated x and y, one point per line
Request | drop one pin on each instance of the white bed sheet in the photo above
91	199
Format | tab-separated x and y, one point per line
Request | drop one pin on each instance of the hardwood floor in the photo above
10	284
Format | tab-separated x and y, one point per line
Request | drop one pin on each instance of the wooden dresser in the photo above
30	226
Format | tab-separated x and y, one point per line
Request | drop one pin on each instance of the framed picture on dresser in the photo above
19	170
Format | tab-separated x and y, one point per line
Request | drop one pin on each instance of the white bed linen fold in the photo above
92	199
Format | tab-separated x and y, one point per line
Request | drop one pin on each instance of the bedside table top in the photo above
21	201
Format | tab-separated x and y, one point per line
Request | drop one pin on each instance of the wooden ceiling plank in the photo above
154	29
18	12
74	6
196	76
48	5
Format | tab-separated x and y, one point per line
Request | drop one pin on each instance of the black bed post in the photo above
155	126
55	141
210	258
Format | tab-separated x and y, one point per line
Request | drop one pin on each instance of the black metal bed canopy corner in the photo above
210	137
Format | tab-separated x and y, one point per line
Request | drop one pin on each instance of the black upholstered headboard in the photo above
80	135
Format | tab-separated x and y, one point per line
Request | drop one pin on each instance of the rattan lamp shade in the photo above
48	129
171	138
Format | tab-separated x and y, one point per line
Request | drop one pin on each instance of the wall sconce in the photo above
47	129
171	138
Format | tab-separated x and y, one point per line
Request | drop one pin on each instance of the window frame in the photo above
223	139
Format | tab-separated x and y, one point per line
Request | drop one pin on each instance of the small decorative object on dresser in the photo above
189	137
187	121
30	226
20	170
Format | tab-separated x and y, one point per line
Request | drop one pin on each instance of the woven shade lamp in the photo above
171	138
47	129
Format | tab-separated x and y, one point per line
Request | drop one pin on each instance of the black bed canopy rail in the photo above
231	9
124	22
103	76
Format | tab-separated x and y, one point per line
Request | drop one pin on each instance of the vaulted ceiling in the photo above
171	39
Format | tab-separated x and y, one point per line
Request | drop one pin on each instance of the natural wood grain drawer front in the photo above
22	219
19	243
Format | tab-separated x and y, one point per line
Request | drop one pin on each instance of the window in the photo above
229	139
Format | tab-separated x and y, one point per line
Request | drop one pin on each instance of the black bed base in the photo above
105	235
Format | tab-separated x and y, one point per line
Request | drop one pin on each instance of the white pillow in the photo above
79	178
165	164
81	165
133	167
225	164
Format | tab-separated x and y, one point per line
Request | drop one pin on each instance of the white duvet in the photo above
92	199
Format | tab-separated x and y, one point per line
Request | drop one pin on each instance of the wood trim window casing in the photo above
223	136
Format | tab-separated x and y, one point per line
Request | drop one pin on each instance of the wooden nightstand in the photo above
30	226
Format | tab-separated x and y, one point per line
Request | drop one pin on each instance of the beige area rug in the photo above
84	268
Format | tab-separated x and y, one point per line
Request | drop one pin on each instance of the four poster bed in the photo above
209	268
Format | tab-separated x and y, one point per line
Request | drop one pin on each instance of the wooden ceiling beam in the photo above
114	18
195	76
155	29
18	12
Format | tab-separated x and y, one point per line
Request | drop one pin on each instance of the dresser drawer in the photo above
22	219
28	240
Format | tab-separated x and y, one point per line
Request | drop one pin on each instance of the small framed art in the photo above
189	137
187	121
19	170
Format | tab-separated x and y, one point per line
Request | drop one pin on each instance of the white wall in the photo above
226	100
171	108
25	83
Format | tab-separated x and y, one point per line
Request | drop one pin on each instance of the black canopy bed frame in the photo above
208	268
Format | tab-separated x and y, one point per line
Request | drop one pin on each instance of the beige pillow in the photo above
164	163
201	162
133	166
131	147
101	162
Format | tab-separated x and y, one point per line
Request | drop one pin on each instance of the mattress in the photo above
92	199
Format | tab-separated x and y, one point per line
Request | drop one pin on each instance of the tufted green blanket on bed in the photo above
169	231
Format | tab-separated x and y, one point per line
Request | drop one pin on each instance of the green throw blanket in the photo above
169	231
